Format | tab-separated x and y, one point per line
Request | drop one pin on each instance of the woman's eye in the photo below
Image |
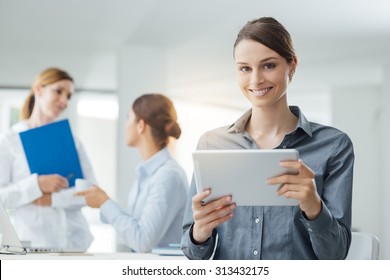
269	66
244	69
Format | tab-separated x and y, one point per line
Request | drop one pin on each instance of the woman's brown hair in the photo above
271	33
159	113
46	77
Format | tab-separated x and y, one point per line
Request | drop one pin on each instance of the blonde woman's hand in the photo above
52	183
44	200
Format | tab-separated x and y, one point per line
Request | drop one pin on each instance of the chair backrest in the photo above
364	246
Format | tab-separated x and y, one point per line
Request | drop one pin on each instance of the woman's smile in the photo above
257	92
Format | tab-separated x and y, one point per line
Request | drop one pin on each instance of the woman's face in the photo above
53	99
131	134
262	73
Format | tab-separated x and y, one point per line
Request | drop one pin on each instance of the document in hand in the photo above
50	149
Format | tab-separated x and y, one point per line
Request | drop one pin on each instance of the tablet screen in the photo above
243	174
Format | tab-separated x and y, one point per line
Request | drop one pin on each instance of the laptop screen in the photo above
10	243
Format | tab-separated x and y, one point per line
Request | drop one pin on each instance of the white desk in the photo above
90	256
87	266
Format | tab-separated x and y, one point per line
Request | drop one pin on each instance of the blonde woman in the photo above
43	210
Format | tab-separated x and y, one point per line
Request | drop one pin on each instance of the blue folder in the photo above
50	149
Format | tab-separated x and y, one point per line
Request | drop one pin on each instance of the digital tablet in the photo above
243	174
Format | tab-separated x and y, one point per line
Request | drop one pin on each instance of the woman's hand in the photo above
300	186
209	216
94	196
52	183
44	200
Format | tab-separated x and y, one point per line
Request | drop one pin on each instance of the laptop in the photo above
11	244
243	174
172	249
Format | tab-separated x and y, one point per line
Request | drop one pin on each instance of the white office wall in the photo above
357	111
140	70
97	130
96	71
9	99
385	152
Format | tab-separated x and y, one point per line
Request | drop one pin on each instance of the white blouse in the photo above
62	225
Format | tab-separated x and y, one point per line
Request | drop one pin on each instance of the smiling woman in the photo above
263	76
320	226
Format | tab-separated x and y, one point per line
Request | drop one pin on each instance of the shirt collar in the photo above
20	126
150	166
239	125
303	123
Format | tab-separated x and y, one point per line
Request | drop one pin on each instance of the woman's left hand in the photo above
44	200
300	186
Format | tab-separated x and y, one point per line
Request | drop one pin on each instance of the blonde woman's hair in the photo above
46	77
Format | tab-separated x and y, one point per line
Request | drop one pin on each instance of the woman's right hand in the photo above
94	196
52	183
209	216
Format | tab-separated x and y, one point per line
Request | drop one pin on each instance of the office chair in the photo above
364	246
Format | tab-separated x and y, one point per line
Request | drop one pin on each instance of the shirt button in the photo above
257	220
255	252
284	147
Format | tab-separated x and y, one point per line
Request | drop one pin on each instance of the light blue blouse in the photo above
156	205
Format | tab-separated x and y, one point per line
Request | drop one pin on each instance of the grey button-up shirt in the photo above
283	232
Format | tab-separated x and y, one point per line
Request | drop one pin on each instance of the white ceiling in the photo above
85	35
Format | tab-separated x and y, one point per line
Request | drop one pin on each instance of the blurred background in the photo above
119	49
